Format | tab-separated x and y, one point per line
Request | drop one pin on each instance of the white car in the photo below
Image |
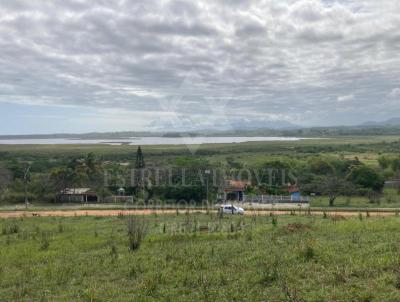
231	209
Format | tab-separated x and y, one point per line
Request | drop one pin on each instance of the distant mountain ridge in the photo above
393	122
240	127
225	124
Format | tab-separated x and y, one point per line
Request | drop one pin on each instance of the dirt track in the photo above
72	213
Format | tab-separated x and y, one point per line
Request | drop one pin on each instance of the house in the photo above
294	192
77	195
234	190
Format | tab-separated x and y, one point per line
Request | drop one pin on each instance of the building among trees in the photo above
294	191
234	190
78	195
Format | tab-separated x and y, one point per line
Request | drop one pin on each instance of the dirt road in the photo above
72	213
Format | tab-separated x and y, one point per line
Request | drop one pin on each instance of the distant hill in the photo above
393	122
240	127
245	124
224	125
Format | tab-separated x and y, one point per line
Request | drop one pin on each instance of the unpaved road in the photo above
72	213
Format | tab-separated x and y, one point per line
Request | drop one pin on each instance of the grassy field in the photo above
389	199
201	257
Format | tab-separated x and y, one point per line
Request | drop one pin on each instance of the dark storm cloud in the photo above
308	61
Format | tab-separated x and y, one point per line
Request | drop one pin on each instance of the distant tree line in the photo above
331	176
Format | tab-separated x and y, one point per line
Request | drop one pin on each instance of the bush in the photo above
274	221
10	228
44	242
307	251
137	231
60	227
181	193
367	178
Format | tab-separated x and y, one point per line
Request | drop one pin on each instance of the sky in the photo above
82	66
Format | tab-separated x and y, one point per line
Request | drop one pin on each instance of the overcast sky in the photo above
79	66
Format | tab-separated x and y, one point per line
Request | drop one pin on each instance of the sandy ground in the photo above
72	213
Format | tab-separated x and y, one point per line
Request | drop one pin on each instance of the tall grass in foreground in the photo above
199	257
137	228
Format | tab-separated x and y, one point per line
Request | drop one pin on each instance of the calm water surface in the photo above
147	140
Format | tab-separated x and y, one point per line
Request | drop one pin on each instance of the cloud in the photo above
345	98
394	93
259	59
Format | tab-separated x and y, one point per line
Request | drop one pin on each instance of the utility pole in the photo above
26	173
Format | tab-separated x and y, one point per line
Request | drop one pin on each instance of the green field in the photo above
389	199
201	257
249	152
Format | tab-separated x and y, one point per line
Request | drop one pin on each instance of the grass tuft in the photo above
137	229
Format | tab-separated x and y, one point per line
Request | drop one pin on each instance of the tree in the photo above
102	192
321	166
276	174
333	186
5	179
91	162
141	183
395	164
94	170
139	164
384	162
61	178
78	177
26	180
367	178
16	169
115	176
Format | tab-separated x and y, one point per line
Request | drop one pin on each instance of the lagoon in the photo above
182	140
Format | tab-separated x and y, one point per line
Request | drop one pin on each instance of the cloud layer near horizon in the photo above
195	64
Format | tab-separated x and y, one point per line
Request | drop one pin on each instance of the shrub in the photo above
397	282
44	242
10	228
137	230
374	197
269	272
60	227
307	252
274	221
248	235
113	251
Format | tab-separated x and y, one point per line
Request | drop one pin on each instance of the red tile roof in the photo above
236	185
293	188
